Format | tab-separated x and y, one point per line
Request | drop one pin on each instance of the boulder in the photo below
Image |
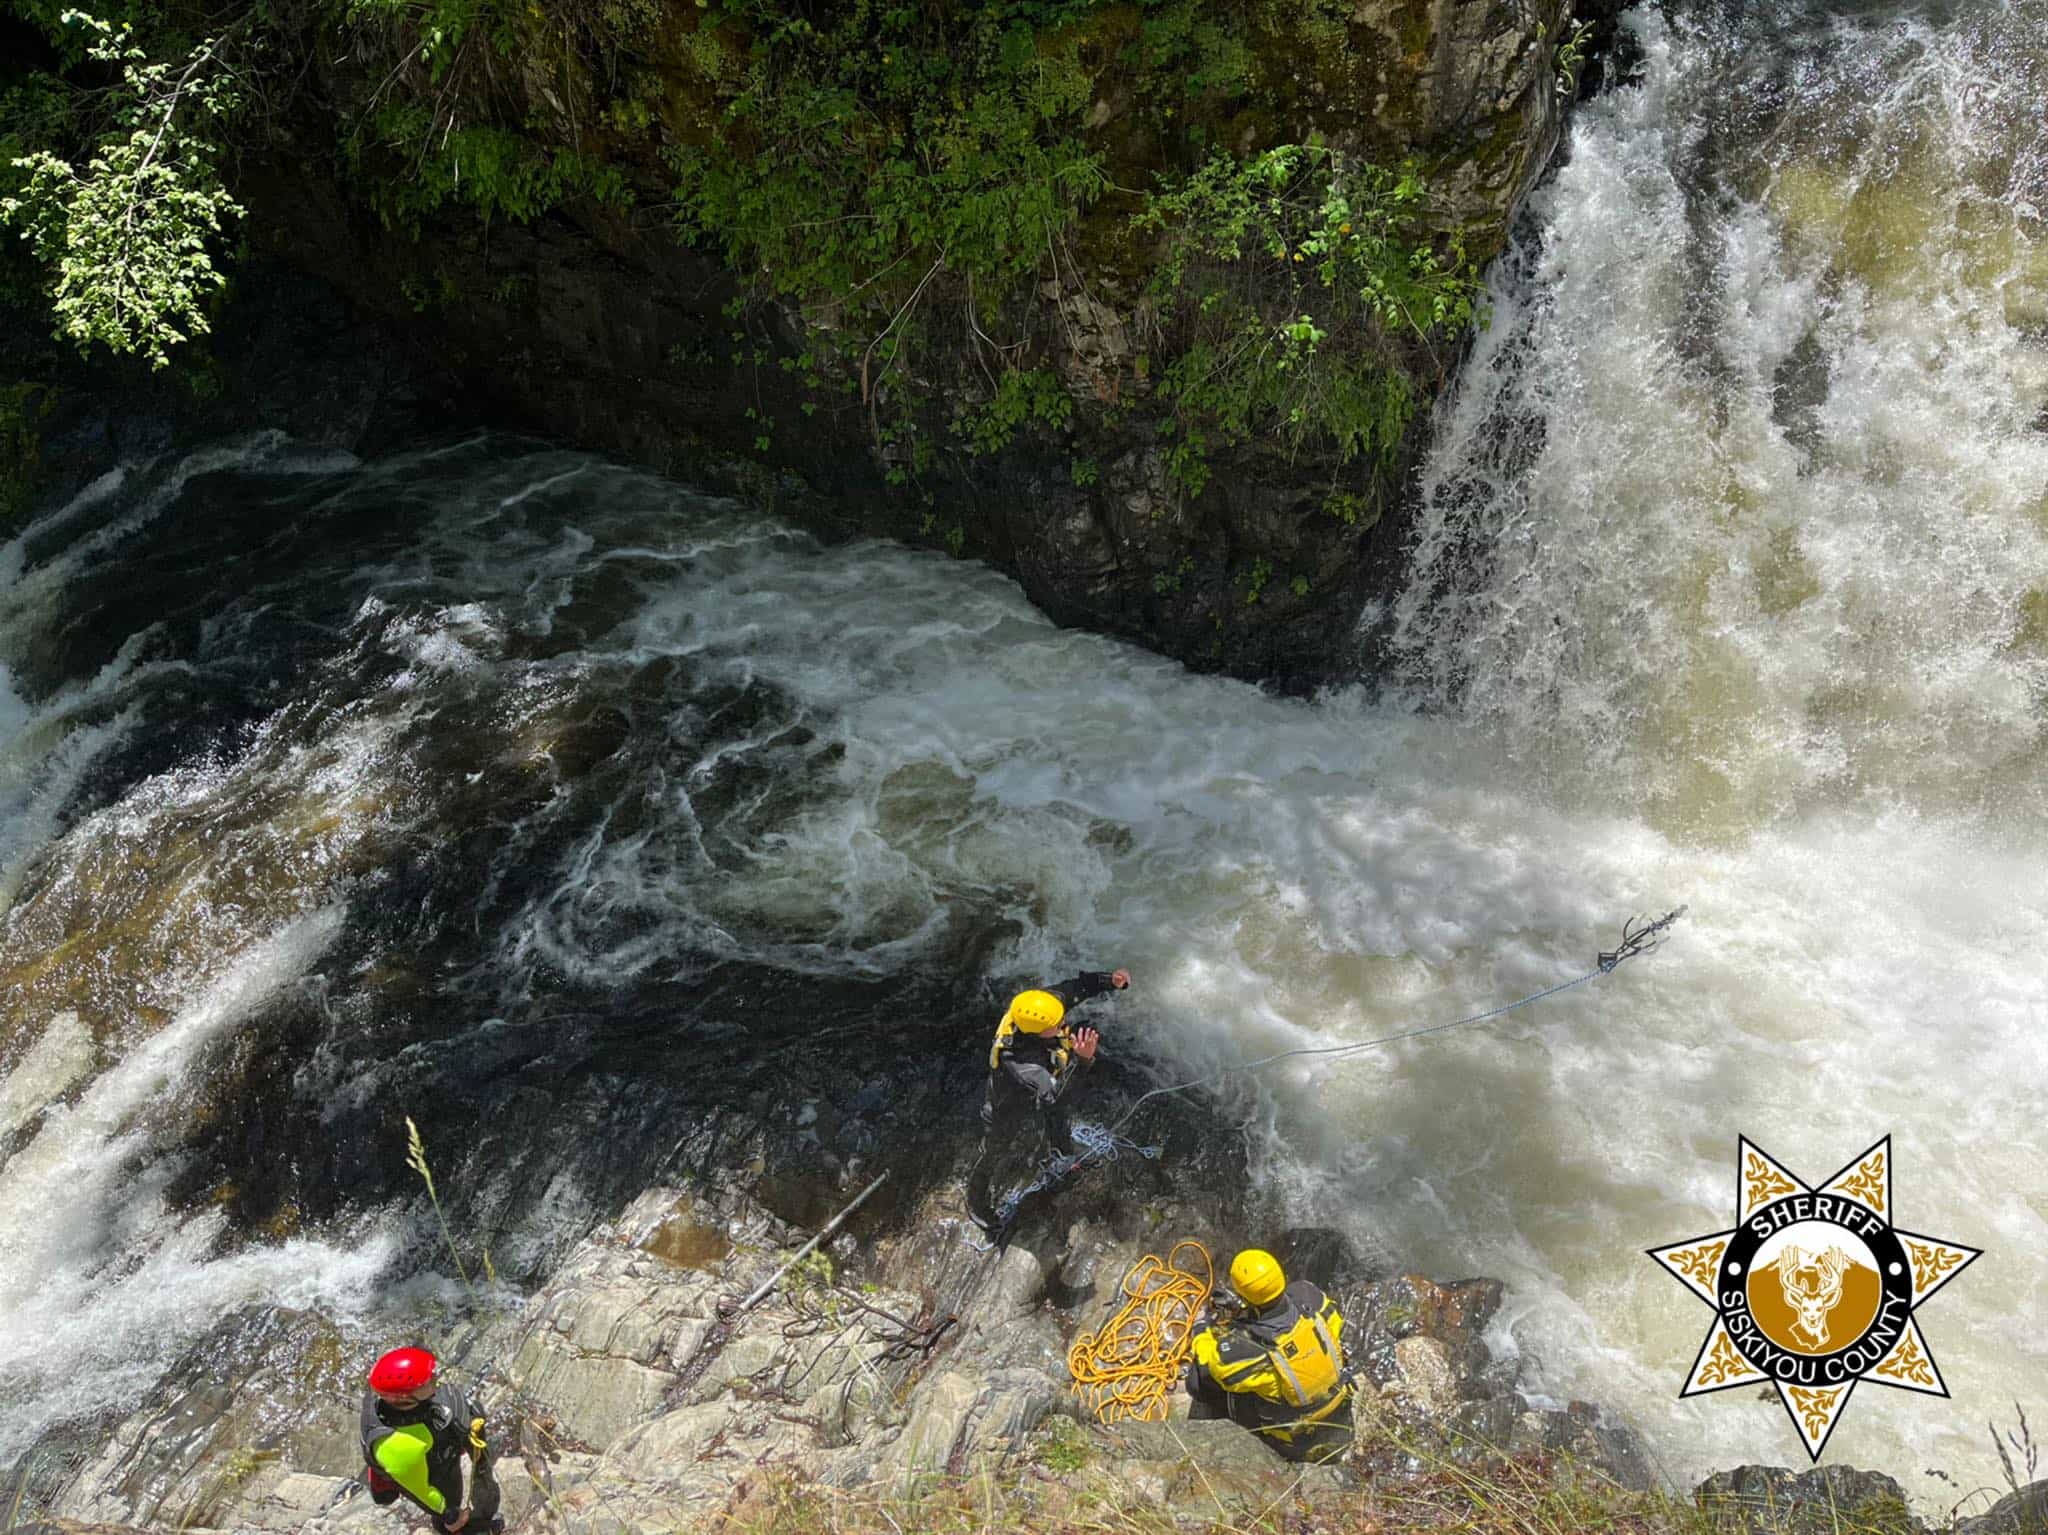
1425	1376
937	1418
1772	1500
2022	1512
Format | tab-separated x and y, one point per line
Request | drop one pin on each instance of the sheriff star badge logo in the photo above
1814	1290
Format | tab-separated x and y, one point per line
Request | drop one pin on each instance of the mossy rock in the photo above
24	407
1829	1500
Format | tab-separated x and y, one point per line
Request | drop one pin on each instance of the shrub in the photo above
1293	276
127	228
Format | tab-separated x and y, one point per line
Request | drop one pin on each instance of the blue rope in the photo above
1096	1145
1637	937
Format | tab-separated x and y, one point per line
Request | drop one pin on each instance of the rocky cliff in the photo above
630	1393
1188	420
918	1379
595	324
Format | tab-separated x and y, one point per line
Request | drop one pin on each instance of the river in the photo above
1729	588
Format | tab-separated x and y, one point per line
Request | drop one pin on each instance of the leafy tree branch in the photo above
126	229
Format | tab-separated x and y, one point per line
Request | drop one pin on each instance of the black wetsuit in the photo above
447	1415
1036	1074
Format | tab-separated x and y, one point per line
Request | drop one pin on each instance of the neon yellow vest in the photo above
402	1455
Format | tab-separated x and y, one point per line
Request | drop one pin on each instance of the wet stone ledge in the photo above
629	1394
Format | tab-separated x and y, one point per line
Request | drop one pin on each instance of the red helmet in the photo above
402	1370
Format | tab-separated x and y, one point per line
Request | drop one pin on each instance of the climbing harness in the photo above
1094	1144
1125	1369
1638	936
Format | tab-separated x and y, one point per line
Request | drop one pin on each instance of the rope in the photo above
1125	1369
1095	1145
1637	937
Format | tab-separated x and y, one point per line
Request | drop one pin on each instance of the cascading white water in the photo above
1730	590
1752	456
1754	460
107	1282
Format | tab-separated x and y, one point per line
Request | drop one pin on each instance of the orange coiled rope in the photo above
1125	1368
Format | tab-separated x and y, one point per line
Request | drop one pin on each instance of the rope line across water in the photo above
1637	937
1093	1146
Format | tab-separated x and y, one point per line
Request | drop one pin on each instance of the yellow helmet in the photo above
1034	1012
1256	1276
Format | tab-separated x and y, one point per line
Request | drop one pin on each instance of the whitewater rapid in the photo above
1729	592
1754	458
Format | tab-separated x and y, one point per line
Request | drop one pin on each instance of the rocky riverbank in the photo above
630	1393
920	1372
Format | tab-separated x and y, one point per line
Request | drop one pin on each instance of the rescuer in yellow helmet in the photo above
1278	1368
1037	1056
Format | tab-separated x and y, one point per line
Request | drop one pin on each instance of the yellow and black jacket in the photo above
1043	1064
1280	1370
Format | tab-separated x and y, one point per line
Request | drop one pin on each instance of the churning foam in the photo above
1727	593
108	1283
1751	469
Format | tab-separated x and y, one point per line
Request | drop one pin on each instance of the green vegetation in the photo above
1255	582
127	222
922	188
813	1271
1020	397
1569	61
1450	1488
494	171
1350	509
440	128
416	1159
1064	1447
1294	275
862	156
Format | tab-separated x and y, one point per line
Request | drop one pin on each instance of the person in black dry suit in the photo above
423	1440
1037	1058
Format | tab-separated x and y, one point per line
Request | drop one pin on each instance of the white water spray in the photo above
1730	591
106	1282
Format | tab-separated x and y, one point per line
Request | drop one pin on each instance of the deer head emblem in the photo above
1813	1287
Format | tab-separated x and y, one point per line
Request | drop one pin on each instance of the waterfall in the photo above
1730	587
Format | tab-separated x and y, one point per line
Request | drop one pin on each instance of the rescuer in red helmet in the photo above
424	1439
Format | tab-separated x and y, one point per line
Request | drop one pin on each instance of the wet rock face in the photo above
1438	1394
1254	577
603	332
600	330
633	1391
